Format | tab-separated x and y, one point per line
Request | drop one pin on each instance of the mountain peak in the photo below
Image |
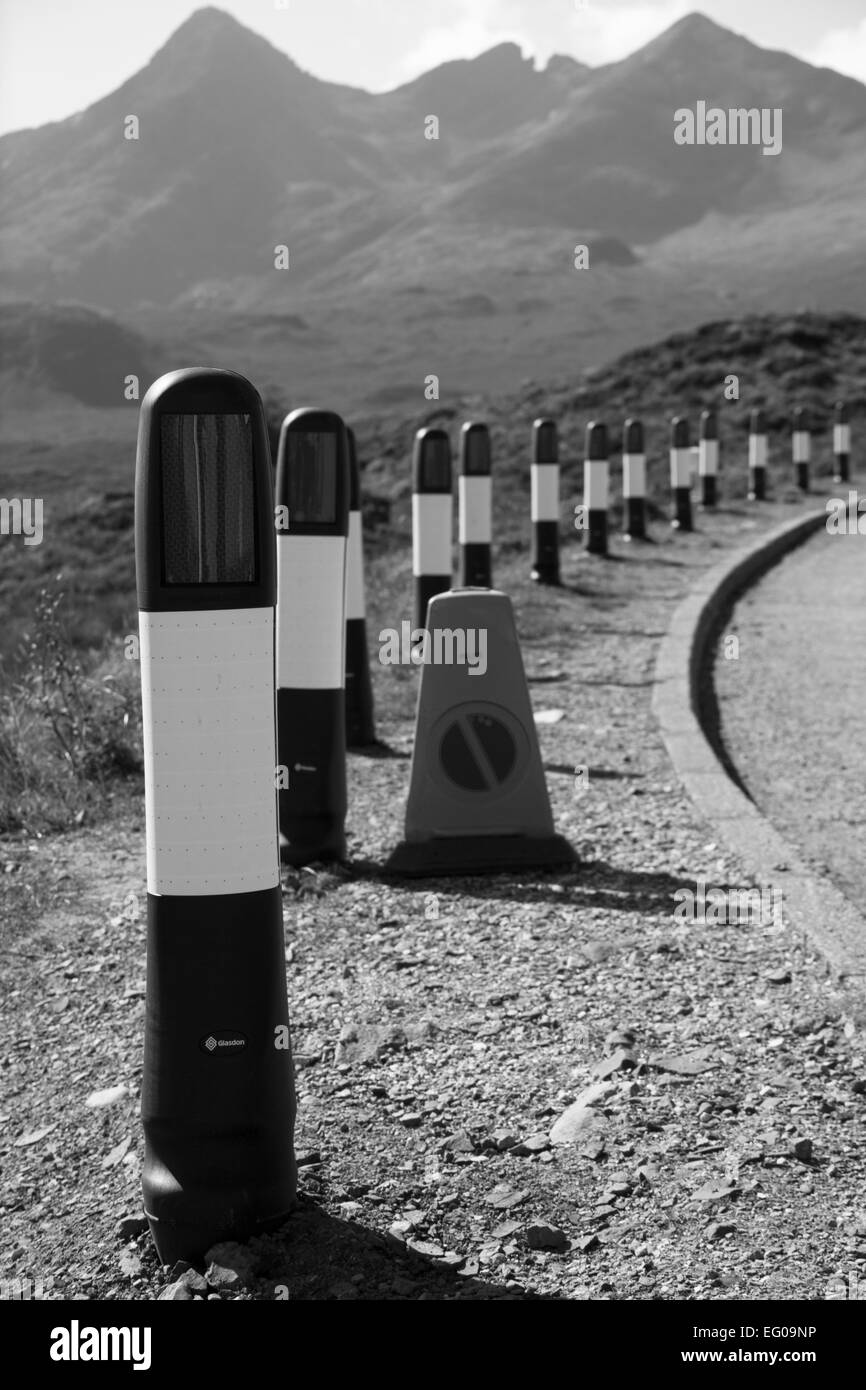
693	33
698	24
505	54
211	41
562	65
210	19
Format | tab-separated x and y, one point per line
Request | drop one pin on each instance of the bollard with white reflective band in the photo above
431	518
633	481
757	456
708	457
360	726
841	444
681	474
801	448
544	483
217	1100
596	470
474	507
312	520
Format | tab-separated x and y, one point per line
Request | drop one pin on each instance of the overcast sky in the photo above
58	56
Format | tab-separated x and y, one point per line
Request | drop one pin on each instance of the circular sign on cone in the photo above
478	800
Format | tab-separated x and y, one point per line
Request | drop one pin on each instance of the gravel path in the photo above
793	706
442	1028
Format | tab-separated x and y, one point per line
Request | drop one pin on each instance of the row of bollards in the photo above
432	489
252	624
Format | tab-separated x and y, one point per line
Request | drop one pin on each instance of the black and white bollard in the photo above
474	507
708	457
841	444
431	518
633	481
544	505
217	1099
596	469
757	456
681	474
801	448
360	725
313	502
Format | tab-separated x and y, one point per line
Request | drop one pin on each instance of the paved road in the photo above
793	705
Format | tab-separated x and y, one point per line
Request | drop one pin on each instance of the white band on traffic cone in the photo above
544	482
431	533
475	495
355	596
311	629
634	475
595	484
708	458
207	684
681	468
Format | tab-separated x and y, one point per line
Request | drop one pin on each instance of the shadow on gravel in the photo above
594	883
315	1256
624	632
620	685
706	701
603	774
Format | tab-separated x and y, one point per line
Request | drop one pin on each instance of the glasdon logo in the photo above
225	1043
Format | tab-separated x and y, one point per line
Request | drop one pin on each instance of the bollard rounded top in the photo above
801	418
545	441
354	471
757	422
679	432
596	440
431	461
841	413
475	449
313	473
632	437
204	503
709	424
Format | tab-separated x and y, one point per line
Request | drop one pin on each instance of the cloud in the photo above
474	28
842	49
604	34
593	31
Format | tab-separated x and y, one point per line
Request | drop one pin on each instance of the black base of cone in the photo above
184	1241
682	517
545	552
474	568
218	1102
479	854
758	485
596	535
360	728
427	586
708	490
842	470
635	519
803	477
311	745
